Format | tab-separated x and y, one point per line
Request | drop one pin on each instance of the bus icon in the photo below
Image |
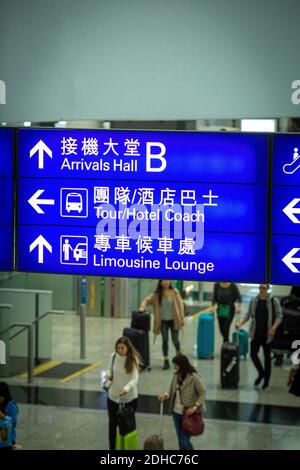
74	202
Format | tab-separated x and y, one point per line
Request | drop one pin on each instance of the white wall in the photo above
141	59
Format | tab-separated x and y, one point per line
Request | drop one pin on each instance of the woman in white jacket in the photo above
123	372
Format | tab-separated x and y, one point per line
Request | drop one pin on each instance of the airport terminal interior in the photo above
63	406
56	374
109	106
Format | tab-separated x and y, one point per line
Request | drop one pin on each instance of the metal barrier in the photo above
82	313
36	323
31	360
29	327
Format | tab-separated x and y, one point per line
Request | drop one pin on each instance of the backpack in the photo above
5	431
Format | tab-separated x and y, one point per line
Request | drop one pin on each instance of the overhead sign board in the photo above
143	204
285	247
6	199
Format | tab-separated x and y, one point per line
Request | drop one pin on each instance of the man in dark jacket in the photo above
266	315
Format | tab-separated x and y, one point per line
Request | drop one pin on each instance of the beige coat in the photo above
192	392
177	310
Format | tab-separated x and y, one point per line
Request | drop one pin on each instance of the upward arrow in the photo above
40	147
40	242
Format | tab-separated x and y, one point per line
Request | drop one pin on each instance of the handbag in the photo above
193	425
224	311
126	419
106	385
108	382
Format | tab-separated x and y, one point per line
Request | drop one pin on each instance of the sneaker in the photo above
16	447
166	365
258	380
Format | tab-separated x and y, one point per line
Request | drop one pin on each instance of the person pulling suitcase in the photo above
123	374
168	310
265	314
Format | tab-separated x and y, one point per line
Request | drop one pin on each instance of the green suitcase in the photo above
128	442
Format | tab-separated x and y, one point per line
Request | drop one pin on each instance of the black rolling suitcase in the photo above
140	321
291	322
230	366
140	340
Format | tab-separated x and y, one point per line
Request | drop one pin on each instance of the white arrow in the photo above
34	201
40	242
40	147
290	210
289	260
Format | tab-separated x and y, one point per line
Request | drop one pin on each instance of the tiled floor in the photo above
56	427
70	428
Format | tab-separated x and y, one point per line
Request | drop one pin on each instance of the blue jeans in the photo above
183	438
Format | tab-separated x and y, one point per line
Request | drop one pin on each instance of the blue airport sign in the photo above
143	156
285	248
6	198
225	208
69	250
285	260
143	204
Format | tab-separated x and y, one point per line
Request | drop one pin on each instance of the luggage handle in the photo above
161	412
237	330
122	402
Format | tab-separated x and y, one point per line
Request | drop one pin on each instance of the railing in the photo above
30	327
36	323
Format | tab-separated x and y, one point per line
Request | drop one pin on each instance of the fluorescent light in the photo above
258	125
60	123
27	123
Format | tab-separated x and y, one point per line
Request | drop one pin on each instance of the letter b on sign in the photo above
157	156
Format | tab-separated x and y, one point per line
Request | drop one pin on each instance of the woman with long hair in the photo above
225	295
168	310
187	393
123	372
